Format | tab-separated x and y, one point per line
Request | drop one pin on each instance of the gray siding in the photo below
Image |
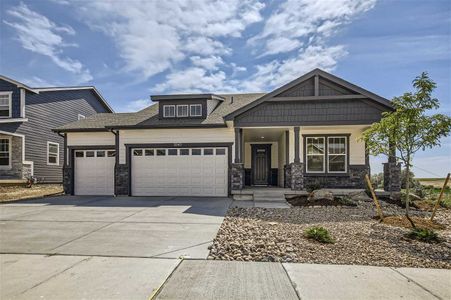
313	112
45	111
6	86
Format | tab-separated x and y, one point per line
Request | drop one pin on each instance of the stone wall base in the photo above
67	180
237	176
15	172
392	177
297	176
121	180
355	179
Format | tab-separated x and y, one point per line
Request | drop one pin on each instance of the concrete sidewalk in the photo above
25	276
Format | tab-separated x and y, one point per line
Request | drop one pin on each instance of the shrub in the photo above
424	235
313	187
345	200
319	234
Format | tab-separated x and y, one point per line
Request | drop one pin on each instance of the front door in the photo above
261	164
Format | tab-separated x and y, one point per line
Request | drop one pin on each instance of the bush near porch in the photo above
277	234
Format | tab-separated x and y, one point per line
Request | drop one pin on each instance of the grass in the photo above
20	192
319	234
424	235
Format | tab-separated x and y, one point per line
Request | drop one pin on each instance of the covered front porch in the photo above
296	158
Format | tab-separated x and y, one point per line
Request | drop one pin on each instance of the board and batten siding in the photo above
6	86
45	111
180	135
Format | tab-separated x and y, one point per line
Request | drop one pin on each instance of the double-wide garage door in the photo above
94	172
179	172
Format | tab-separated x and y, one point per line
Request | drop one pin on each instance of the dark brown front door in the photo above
261	160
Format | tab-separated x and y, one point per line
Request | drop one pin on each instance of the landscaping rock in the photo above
359	196
318	195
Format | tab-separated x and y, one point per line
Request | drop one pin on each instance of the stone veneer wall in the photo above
297	176
67	180
355	179
237	176
121	180
392	176
287	170
16	160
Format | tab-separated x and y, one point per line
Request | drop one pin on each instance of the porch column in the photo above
296	145
392	172
237	168
287	167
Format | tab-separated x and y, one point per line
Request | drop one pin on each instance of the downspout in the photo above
116	158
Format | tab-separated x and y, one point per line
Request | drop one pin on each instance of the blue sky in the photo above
132	49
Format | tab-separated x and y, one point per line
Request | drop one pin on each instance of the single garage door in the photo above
94	172
179	172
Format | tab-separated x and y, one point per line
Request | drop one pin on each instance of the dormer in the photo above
187	106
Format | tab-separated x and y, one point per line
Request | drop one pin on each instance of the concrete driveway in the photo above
166	227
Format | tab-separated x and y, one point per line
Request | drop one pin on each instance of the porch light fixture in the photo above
262	137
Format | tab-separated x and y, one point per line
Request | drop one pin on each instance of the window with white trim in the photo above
195	110
53	153
81	117
336	154
169	111
182	111
5	104
315	154
5	152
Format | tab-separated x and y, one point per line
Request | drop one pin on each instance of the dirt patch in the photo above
259	234
304	201
12	193
402	221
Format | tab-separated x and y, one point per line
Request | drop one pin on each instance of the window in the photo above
195	151
220	151
315	154
336	154
138	152
169	111
89	153
53	153
182	110
81	117
101	153
208	151
5	104
5	152
172	151
111	153
79	154
184	151
148	152
196	110
161	152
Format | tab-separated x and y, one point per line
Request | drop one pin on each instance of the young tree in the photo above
410	127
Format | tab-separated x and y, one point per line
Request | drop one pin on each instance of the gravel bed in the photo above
277	234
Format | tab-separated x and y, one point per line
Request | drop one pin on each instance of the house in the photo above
302	133
28	146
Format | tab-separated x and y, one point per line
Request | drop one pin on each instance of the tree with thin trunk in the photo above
409	128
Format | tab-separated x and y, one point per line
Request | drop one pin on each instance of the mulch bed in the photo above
302	201
13	193
402	221
260	234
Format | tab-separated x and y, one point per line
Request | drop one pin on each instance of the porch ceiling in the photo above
263	134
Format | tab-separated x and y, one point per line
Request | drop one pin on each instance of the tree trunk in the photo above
408	193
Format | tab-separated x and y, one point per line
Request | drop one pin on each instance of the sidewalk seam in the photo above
291	282
158	290
421	286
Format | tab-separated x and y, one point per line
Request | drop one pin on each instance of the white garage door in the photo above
179	172
94	172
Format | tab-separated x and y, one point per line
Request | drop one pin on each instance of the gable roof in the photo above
148	117
55	89
309	75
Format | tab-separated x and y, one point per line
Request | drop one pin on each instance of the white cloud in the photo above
307	19
194	80
208	63
137	105
38	34
153	36
37	81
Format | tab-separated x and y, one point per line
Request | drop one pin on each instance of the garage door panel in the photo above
180	175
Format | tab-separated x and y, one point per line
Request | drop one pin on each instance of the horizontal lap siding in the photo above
161	136
46	111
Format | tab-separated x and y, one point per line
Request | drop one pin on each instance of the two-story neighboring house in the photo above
27	115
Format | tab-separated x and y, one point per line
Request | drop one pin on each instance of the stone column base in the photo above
121	180
237	176
287	172
392	177
297	176
67	181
